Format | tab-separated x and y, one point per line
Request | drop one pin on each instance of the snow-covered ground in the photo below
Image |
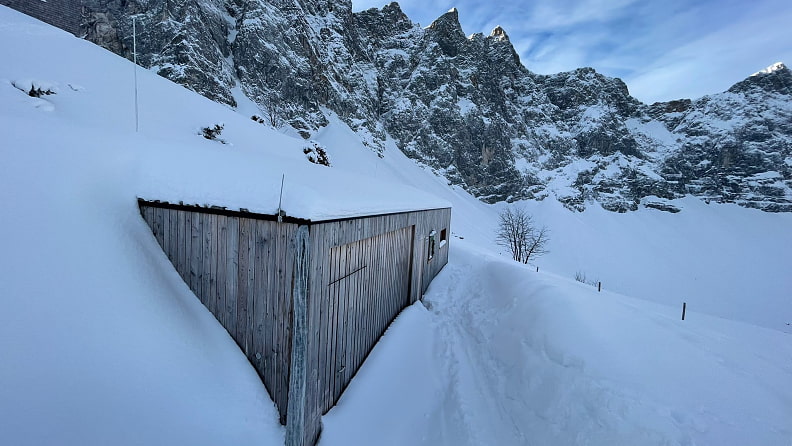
102	343
506	355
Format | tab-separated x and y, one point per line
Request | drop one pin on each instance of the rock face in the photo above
465	105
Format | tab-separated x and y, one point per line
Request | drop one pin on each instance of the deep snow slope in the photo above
100	340
102	343
721	259
464	103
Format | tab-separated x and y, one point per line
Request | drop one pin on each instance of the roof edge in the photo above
242	212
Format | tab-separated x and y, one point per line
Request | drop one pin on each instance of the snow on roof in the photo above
311	192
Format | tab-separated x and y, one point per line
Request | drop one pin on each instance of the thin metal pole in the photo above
280	200
134	58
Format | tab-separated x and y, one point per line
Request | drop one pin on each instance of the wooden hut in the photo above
305	299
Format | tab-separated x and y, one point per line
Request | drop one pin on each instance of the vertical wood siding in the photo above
240	268
368	286
362	273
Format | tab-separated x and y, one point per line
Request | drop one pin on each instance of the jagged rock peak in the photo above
447	32
776	78
392	12
393	8
447	22
499	34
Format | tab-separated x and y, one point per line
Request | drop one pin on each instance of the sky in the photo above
662	49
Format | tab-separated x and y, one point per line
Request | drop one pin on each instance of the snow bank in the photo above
101	341
510	356
721	259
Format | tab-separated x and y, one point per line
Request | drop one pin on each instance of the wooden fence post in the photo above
599	287
684	305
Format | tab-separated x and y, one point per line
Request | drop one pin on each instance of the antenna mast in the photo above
280	201
134	58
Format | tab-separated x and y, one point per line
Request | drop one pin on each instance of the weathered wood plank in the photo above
243	267
285	305
211	235
183	237
328	350
260	268
222	261
232	276
361	286
332	362
269	264
167	233
369	295
352	309
145	212
340	354
329	298
195	252
158	232
173	232
322	352
319	293
252	291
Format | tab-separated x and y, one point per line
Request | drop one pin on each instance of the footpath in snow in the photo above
508	356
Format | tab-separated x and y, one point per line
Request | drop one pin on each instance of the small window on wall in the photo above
443	238
431	252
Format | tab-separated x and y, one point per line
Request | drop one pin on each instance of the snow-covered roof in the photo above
310	192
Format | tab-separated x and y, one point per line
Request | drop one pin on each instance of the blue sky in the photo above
662	49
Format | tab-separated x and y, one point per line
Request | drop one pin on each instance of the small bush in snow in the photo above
33	90
316	154
580	276
38	92
213	132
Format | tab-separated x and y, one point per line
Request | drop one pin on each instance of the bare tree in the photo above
518	233
273	109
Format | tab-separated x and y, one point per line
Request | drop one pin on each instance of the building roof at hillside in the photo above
310	192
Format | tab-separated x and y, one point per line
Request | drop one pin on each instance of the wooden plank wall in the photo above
436	220
241	270
363	273
368	286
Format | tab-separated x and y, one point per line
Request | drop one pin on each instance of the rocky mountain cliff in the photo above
465	105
